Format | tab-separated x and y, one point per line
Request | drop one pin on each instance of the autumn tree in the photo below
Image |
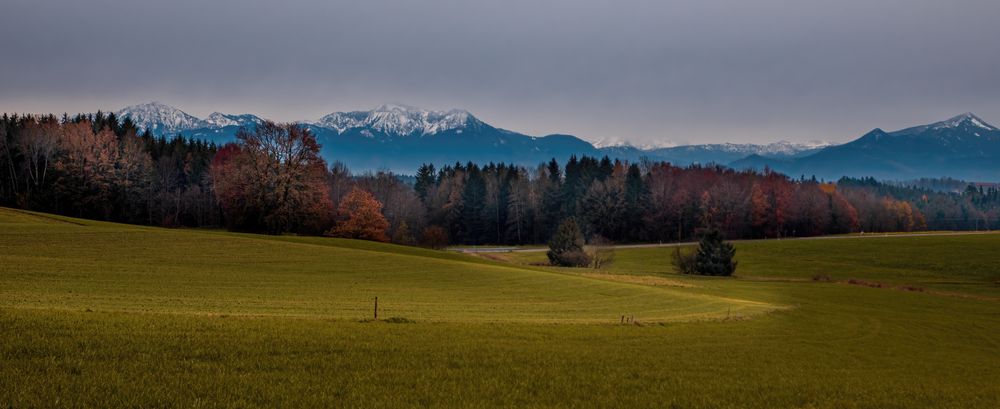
275	181
272	180
87	168
38	143
760	211
843	216
360	217
434	237
730	199
402	235
400	204
132	176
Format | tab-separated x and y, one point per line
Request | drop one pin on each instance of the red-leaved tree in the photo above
273	181
360	217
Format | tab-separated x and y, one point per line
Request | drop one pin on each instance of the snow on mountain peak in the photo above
623	143
395	107
776	148
967	122
966	119
782	147
219	120
786	147
160	118
398	119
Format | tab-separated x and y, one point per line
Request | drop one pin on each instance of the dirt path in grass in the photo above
501	249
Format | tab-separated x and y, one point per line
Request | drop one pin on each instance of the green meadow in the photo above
105	315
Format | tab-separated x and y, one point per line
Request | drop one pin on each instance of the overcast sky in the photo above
642	71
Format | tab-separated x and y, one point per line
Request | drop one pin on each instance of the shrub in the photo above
402	235
714	256
566	246
434	237
684	261
601	251
575	258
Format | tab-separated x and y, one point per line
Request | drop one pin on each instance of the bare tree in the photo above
7	164
38	142
601	251
274	180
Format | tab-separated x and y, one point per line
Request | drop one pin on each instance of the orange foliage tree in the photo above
361	217
273	180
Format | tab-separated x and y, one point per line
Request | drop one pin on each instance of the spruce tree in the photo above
425	179
566	246
552	199
636	203
473	203
715	256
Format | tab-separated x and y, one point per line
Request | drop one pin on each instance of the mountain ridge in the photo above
400	138
963	146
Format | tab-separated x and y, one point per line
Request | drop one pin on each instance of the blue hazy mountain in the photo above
964	147
722	153
400	138
393	137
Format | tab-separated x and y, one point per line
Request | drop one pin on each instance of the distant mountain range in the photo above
400	138
963	147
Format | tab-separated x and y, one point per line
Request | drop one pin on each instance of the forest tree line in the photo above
273	180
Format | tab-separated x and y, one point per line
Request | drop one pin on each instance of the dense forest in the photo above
273	180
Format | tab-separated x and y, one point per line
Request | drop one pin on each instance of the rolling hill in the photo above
106	315
114	267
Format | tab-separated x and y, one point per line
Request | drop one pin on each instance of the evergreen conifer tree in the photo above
566	246
715	256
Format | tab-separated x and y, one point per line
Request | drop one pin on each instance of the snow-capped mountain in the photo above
624	143
967	122
400	138
218	119
165	120
720	154
160	119
399	120
722	150
782	148
963	147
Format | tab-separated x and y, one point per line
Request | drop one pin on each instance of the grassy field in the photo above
104	315
960	263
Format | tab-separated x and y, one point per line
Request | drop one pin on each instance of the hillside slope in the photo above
62	263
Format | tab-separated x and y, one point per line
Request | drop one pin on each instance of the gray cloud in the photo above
644	71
